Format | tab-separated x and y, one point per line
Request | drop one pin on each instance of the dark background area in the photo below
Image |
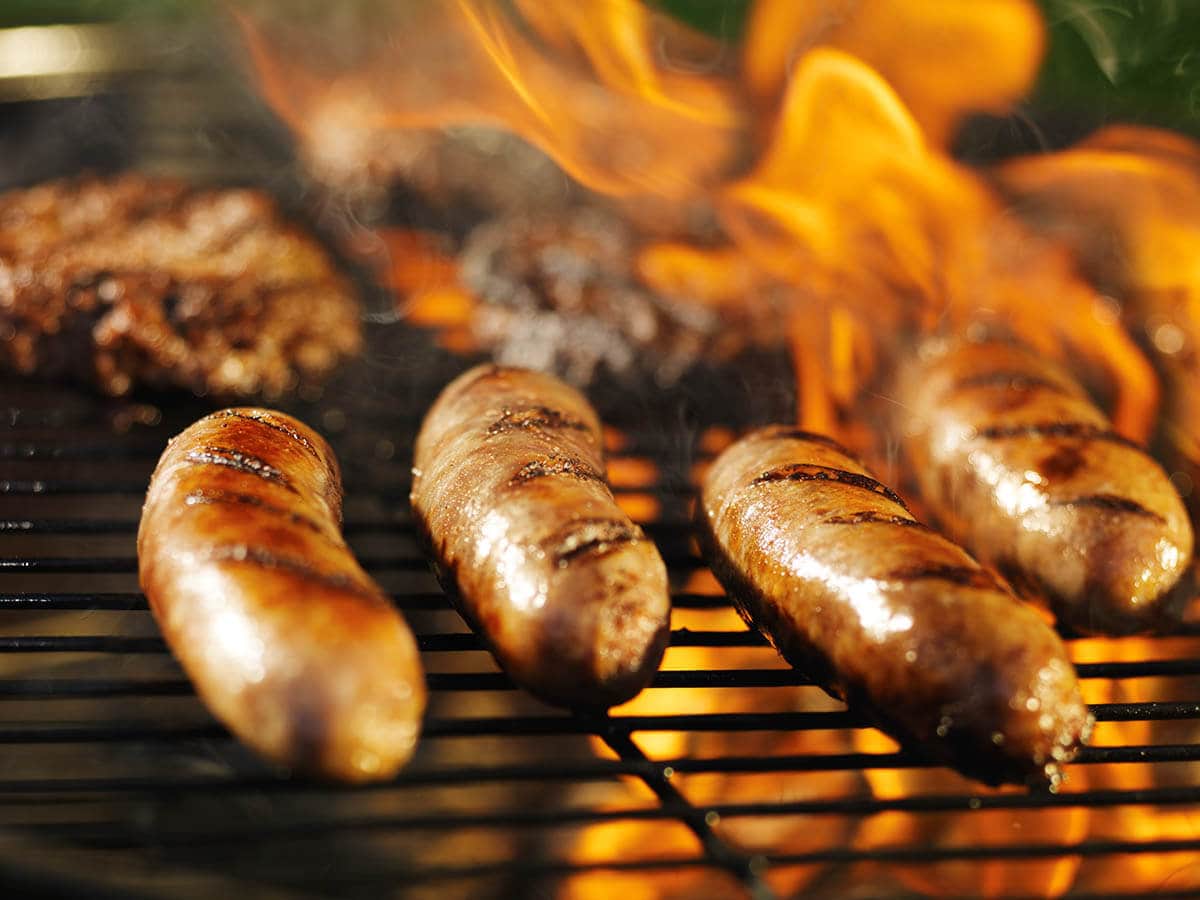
1109	60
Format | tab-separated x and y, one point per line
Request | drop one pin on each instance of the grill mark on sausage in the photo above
870	517
271	423
1076	430
1111	502
1009	378
964	576
535	417
590	537
568	466
809	472
265	559
811	437
1064	462
219	497
241	462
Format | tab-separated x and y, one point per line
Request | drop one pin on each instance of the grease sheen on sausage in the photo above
287	640
885	613
510	493
1017	462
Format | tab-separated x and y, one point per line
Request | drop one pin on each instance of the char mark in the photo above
299	568
965	576
870	517
241	462
807	472
535	417
566	466
1013	379
1113	503
1074	430
272	423
590	537
234	498
811	437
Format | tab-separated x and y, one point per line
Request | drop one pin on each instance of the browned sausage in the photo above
509	491
1018	464
886	614
286	638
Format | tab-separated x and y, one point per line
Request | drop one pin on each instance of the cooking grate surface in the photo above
108	756
731	775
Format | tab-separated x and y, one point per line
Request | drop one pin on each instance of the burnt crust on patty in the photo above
134	280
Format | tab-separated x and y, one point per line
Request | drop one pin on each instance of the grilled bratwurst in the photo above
286	639
1020	465
886	614
509	491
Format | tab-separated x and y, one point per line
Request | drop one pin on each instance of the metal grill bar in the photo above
600	770
116	833
617	731
130	601
564	725
116	769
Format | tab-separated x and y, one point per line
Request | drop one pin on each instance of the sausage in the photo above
1018	463
886	614
510	496
286	638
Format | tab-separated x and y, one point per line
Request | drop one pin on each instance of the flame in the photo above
1127	203
851	211
876	213
821	176
582	81
945	57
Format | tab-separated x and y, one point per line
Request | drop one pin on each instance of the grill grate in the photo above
111	756
733	774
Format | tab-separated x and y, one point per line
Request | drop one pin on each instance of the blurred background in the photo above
1136	61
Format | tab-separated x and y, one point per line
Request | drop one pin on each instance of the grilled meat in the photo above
885	613
561	295
509	491
1020	465
134	280
286	638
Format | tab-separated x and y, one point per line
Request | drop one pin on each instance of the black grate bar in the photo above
133	601
115	834
700	822
534	869
635	446
557	725
396	491
445	642
599	770
74	688
678	530
451	642
409	562
479	726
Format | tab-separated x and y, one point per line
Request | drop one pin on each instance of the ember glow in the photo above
818	160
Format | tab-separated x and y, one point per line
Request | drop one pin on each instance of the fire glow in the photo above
822	156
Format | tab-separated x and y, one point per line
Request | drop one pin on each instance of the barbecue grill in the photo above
114	781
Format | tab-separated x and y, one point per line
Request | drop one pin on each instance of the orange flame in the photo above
581	81
823	168
1127	203
945	57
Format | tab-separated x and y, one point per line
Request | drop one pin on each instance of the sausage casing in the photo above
885	613
1017	462
509	492
287	640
